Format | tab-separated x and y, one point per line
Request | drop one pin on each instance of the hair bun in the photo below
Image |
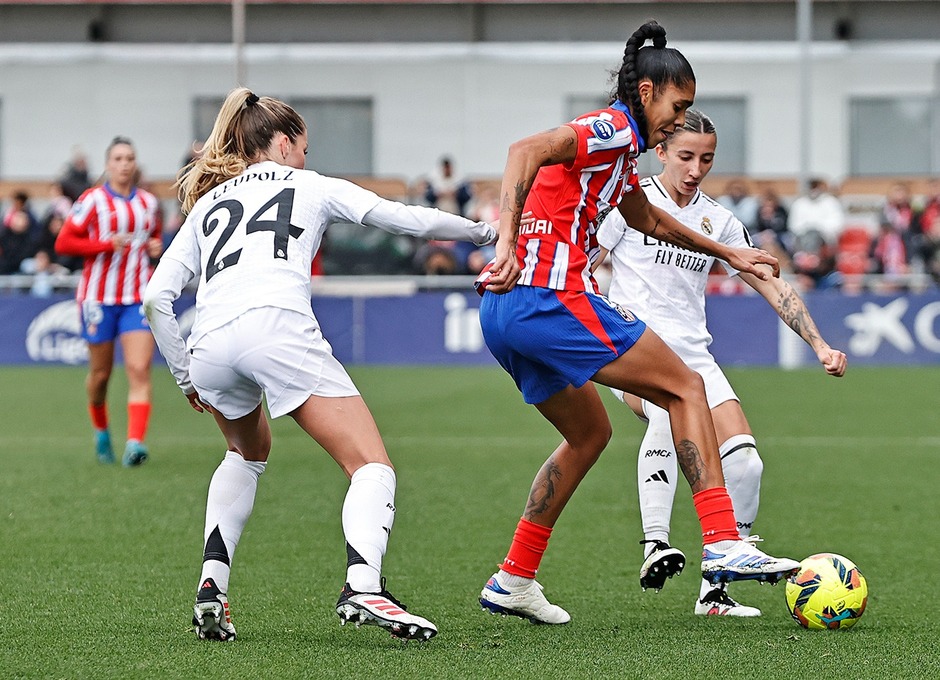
659	41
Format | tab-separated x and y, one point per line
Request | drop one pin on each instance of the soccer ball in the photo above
827	592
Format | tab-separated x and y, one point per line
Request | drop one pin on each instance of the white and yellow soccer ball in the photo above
827	592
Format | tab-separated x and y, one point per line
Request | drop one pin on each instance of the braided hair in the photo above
661	65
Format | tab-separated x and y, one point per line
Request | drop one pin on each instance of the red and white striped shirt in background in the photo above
109	277
568	201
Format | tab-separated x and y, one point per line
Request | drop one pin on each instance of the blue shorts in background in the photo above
104	323
548	339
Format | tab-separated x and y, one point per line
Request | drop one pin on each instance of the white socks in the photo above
368	515
228	507
742	468
657	476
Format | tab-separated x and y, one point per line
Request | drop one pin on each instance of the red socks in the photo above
528	545
138	417
716	515
99	415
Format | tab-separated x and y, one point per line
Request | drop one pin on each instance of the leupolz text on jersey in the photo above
279	175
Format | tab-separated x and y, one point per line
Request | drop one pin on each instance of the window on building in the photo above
728	113
205	109
893	136
340	132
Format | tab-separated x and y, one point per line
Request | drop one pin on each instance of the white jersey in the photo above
251	239
665	284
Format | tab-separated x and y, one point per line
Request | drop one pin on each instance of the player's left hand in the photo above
197	403
834	361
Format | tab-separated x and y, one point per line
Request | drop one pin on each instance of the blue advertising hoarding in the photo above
442	327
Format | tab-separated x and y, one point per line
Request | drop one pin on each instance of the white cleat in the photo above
717	602
211	617
742	561
383	610
526	602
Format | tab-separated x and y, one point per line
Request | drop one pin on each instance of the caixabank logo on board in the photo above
878	327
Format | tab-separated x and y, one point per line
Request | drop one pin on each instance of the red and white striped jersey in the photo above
109	277
569	201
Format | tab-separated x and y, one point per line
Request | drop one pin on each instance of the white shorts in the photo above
717	388
275	352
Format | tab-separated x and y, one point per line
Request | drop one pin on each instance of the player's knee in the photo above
688	388
597	440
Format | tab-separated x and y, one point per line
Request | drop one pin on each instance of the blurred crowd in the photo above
821	240
823	243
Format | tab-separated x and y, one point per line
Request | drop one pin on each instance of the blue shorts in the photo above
104	323
548	339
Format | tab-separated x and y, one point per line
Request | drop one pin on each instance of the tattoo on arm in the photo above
543	490
521	192
794	313
690	460
560	152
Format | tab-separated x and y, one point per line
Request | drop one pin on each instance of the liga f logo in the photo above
707	226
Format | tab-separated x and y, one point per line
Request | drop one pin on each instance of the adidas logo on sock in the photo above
658	476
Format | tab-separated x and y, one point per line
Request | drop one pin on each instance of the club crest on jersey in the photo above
707	226
604	130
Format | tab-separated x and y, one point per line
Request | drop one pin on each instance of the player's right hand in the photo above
505	270
120	241
749	260
834	361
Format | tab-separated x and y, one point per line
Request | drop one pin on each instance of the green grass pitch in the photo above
98	565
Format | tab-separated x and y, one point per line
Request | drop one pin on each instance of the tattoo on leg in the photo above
690	460
543	490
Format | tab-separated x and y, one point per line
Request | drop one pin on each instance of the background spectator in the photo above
46	245
770	226
75	178
889	256
928	225
737	198
20	206
16	243
445	191
819	211
898	212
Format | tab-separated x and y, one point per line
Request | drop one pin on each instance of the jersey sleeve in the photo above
75	235
735	234
185	247
611	230
345	201
168	281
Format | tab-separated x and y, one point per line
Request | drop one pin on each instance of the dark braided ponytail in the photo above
660	65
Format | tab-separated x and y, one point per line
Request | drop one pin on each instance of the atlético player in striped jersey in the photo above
547	325
665	285
116	227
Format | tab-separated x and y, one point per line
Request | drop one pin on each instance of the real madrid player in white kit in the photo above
665	286
255	221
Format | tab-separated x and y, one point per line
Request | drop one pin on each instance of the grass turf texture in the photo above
98	565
